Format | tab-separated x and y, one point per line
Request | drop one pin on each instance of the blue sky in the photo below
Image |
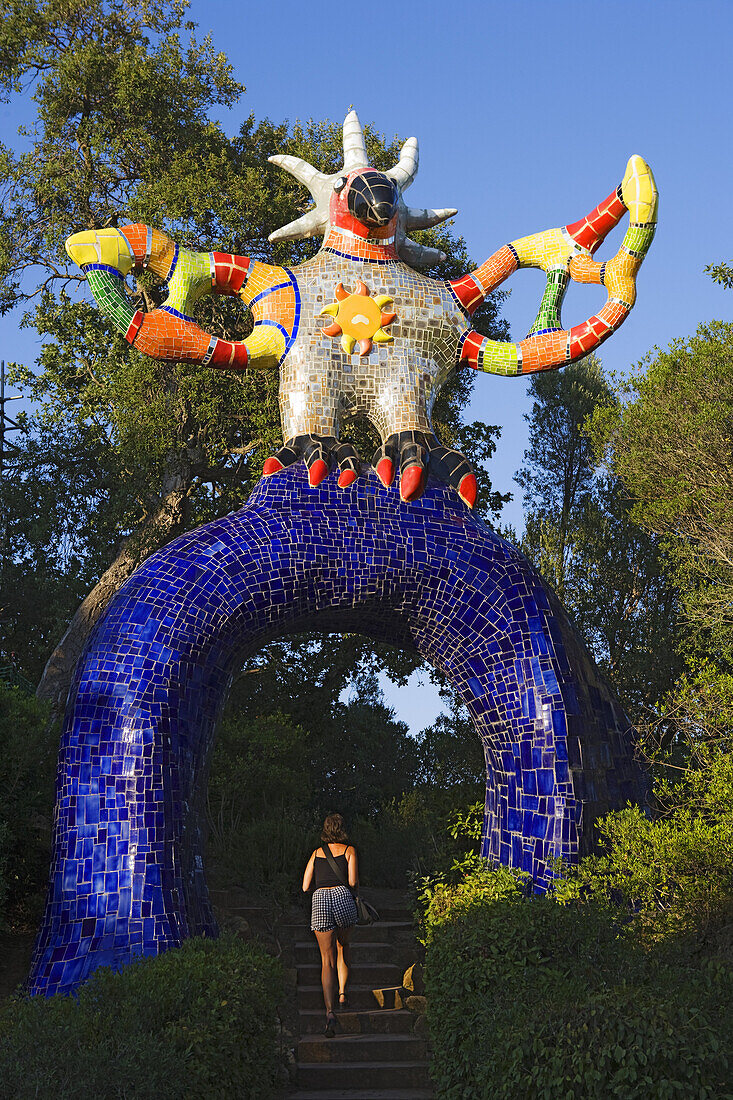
526	112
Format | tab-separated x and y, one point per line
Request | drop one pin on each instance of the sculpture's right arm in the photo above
107	256
564	254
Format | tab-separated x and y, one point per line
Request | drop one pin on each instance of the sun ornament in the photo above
359	317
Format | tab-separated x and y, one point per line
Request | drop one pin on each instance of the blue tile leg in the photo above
127	873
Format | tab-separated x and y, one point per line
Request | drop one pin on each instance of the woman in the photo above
333	912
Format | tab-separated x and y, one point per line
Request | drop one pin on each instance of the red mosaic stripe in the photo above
229	355
591	230
134	327
230	272
472	289
471	348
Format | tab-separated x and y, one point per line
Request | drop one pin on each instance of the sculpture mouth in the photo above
373	199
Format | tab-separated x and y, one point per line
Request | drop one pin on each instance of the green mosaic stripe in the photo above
191	280
548	316
638	238
497	357
109	294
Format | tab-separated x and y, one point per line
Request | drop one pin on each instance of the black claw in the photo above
318	451
449	466
348	461
416	451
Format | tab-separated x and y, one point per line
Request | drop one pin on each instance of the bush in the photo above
27	768
674	873
530	997
416	835
197	1021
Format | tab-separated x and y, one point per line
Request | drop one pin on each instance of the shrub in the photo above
27	767
197	1021
529	997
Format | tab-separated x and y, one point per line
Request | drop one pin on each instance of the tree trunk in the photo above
159	528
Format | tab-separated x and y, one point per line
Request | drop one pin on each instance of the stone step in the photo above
361	1048
361	951
363	1075
391	931
361	1094
360	973
360	997
391	913
381	1021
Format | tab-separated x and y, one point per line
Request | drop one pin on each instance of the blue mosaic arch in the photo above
127	875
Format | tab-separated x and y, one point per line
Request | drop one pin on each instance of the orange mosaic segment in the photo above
164	336
272	296
472	289
497	268
359	249
543	351
585	270
620	276
151	248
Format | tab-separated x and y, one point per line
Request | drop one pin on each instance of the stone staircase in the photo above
377	1054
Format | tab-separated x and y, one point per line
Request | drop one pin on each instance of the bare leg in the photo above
327	945
343	938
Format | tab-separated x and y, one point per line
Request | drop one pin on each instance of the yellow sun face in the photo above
359	317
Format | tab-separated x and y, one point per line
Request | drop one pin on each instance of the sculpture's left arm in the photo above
107	256
566	254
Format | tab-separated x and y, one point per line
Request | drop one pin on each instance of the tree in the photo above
358	754
608	570
559	461
125	133
671	445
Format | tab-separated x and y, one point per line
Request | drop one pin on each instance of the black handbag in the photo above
365	913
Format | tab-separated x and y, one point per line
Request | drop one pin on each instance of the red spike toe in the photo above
385	471
317	472
468	489
272	466
346	478
412	482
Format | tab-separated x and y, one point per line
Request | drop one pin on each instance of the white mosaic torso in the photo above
395	385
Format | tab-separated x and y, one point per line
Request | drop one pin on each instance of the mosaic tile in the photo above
331	544
389	373
127	875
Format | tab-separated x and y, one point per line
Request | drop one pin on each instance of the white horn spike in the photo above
304	172
309	225
424	219
405	170
418	255
355	154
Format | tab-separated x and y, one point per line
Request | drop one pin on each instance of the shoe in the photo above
330	1025
343	1001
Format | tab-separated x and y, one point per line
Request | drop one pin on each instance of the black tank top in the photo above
324	875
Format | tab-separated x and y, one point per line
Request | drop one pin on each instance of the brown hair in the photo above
334	830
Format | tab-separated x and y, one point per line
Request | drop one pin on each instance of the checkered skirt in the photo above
333	907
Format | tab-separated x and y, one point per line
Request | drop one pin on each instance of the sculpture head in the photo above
362	201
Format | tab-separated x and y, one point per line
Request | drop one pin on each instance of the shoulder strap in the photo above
334	865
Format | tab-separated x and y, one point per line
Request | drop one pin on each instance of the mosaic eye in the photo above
339	184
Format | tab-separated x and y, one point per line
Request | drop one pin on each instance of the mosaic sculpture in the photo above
355	332
411	331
